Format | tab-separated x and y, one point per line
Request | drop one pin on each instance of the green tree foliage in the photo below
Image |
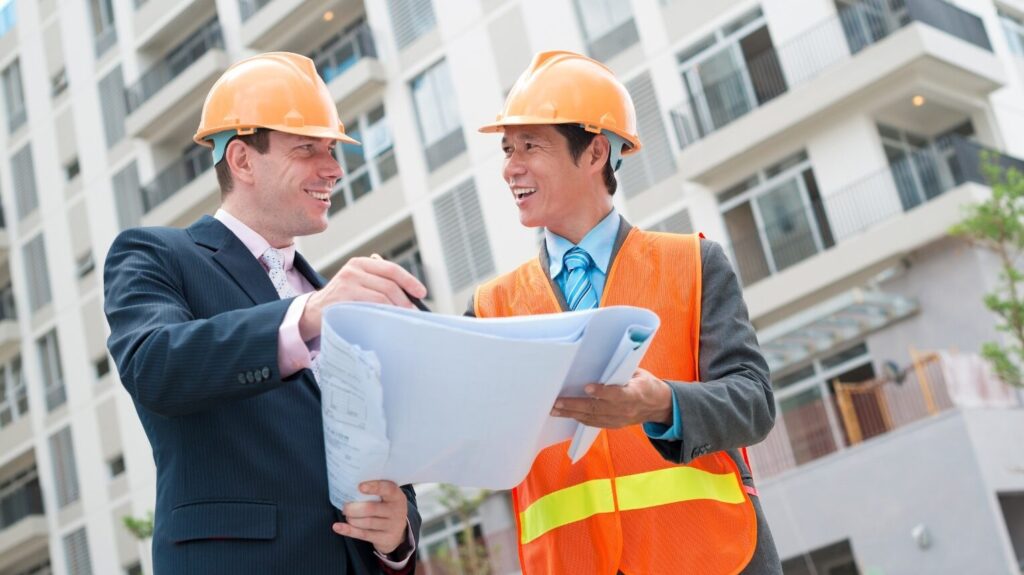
997	225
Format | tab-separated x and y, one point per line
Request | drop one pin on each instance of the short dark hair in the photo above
579	139
258	140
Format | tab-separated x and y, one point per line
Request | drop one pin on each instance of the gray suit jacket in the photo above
733	406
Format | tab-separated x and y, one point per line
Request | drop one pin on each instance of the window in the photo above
807	403
344	50
442	545
20	496
104	33
85	265
130	200
368	166
72	169
62	456
14	97
657	162
467	251
53	374
59	83
76	553
115	465
607	25
411	19
728	74
407	255
865	23
677	223
1013	26
775	219
437	113
8	310
114	106
13	393
24	176
922	168
834	559
101	366
37	273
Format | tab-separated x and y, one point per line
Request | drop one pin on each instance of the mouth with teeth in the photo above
319	195
521	194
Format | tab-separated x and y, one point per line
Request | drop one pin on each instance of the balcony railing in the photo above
809	427
176	62
105	39
175	177
805	230
771	73
344	51
19	498
248	8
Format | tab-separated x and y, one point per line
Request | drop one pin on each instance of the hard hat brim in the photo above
310	131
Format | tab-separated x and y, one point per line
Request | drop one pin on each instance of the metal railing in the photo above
771	73
178	60
248	8
175	177
857	412
614	41
19	498
806	230
344	51
445	148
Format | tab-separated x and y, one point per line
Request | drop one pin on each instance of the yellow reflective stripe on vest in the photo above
639	491
566	506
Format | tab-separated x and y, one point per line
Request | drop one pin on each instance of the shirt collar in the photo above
598	242
253	241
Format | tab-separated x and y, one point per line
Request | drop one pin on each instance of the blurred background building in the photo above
828	144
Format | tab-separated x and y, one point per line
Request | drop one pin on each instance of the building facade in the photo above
827	144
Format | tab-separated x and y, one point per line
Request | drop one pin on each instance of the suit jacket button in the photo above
241	378
249	377
266	373
257	376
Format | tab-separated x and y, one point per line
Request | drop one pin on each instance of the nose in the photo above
514	167
330	168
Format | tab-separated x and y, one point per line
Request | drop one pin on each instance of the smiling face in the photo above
549	188
285	192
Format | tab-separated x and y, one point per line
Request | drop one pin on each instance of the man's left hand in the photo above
382	523
643	399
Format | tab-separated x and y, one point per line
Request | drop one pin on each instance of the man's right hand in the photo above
360	279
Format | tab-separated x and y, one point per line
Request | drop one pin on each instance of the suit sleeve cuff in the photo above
664	432
292	353
410	545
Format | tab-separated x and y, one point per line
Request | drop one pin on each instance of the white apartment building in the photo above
828	144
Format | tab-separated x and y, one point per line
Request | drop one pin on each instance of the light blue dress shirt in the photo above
599	243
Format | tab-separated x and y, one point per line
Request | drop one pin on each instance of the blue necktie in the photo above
579	292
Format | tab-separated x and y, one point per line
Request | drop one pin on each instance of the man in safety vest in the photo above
665	489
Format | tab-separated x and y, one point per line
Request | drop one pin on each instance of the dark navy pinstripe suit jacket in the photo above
241	476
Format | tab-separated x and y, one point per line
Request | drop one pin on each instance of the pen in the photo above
414	300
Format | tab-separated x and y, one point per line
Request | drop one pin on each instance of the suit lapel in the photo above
231	254
316	280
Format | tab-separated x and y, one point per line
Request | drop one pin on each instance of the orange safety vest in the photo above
623	506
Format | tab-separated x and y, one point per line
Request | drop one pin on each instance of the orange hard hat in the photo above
277	90
562	87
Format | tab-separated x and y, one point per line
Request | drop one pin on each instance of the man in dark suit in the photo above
215	331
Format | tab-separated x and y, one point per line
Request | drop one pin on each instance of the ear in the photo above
596	154
239	158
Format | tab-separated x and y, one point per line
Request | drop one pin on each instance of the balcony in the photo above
837	62
270	24
348	64
157	23
22	519
813	425
181	191
176	86
910	204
